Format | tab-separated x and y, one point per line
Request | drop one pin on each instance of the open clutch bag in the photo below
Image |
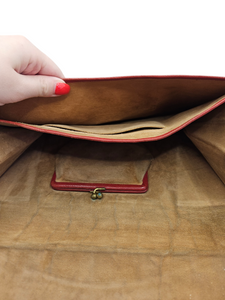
115	128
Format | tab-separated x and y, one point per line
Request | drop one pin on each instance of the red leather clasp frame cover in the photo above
109	188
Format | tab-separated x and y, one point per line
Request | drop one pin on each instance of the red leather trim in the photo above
146	76
109	188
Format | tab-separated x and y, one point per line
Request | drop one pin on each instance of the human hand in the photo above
26	72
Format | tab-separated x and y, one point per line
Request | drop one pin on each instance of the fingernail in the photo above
62	88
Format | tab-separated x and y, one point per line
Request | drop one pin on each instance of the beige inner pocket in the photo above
144	129
126	110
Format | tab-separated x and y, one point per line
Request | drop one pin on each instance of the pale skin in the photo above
25	71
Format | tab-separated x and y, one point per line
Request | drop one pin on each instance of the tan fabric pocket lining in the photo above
168	124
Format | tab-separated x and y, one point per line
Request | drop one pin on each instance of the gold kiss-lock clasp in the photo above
96	194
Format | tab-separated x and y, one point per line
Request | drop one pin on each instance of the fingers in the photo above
49	68
41	86
30	60
42	65
26	72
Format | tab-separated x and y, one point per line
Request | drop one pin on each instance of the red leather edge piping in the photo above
146	76
109	188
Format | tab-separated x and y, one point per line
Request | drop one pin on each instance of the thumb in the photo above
41	86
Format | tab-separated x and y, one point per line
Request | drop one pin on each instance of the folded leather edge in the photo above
109	188
146	76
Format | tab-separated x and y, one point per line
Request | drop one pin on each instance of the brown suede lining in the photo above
104	101
155	127
13	142
168	92
208	135
168	243
93	162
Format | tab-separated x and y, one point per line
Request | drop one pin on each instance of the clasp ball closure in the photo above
96	195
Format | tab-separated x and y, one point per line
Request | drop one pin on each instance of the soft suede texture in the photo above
168	243
94	162
13	142
208	134
131	131
103	101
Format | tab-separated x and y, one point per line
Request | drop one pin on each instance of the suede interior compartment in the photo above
208	136
94	162
167	243
108	100
13	142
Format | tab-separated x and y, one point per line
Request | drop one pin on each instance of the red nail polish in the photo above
62	88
